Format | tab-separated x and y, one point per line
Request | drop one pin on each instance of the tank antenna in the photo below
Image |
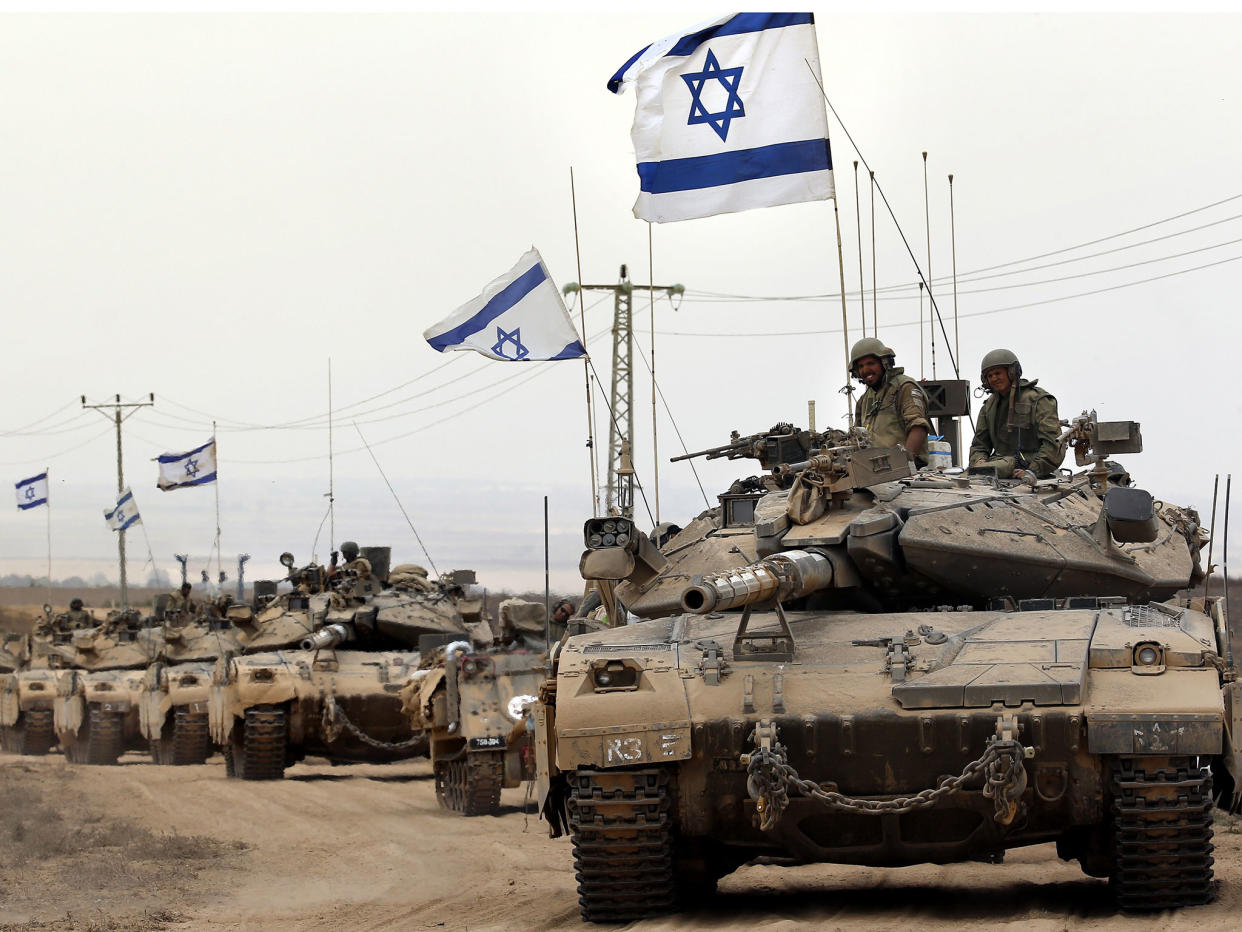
957	350
1225	543
586	360
396	499
922	334
331	469
862	282
875	322
927	225
1207	579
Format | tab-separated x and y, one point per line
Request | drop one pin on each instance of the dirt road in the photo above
139	847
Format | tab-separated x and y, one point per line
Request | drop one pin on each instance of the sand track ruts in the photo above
367	848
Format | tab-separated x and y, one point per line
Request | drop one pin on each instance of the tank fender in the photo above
647	724
1231	753
10	705
1189	718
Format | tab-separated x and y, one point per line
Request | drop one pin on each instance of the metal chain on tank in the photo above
770	778
334	721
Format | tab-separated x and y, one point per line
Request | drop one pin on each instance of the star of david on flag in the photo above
729	117
181	470
125	514
519	317
32	492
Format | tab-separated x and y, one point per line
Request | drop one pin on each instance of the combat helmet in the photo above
1000	357
349	550
871	346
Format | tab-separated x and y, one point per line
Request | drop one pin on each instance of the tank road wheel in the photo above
34	734
622	832
100	741
1162	833
484	773
191	741
265	741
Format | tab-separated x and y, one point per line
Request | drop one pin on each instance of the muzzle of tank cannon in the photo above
327	636
781	576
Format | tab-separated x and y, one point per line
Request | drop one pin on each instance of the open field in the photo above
138	847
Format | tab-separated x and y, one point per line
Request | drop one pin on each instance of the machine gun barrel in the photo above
736	449
782	576
327	636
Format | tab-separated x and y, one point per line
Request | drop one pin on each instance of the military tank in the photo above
99	688
333	690
176	687
28	674
472	703
850	661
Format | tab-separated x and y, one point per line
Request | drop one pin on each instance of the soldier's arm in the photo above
913	405
1048	424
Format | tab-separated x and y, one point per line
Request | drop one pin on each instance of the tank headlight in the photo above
263	675
1148	658
1146	655
188	679
470	667
615	675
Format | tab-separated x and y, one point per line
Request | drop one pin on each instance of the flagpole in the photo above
586	359
332	469
655	442
216	447
47	471
875	317
957	351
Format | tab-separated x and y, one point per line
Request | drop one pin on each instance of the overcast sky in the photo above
212	207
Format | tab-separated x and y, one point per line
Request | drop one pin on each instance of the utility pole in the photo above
183	559
117	417
241	576
619	491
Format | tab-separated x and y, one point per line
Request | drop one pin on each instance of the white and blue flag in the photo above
179	470
519	317
729	116
125	514
32	492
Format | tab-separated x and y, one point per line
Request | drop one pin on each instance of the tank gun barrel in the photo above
781	576
327	636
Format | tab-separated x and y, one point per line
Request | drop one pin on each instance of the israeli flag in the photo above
32	492
180	470
729	116
519	317
125	514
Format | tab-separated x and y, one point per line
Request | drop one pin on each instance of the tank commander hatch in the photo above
1019	429
353	580
76	619
893	407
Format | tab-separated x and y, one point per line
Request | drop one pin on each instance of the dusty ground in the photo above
139	847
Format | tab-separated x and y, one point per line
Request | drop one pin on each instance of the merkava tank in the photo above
472	702
28	671
99	689
322	666
176	688
847	661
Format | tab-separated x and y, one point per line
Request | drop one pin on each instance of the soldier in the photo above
893	408
351	580
1018	430
180	601
78	617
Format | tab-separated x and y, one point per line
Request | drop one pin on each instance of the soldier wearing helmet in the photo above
1019	429
893	408
76	619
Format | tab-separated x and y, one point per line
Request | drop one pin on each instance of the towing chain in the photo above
770	779
334	721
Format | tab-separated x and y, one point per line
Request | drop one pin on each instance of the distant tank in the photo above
334	690
28	685
98	696
176	688
472	702
848	661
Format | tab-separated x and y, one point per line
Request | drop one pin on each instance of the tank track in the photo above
34	734
621	824
103	741
191	742
471	784
1162	833
264	746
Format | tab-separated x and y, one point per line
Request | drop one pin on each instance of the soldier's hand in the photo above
1019	473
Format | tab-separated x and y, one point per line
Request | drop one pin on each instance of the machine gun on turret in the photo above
782	443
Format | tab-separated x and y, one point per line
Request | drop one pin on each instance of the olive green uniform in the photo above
1031	436
891	410
178	603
